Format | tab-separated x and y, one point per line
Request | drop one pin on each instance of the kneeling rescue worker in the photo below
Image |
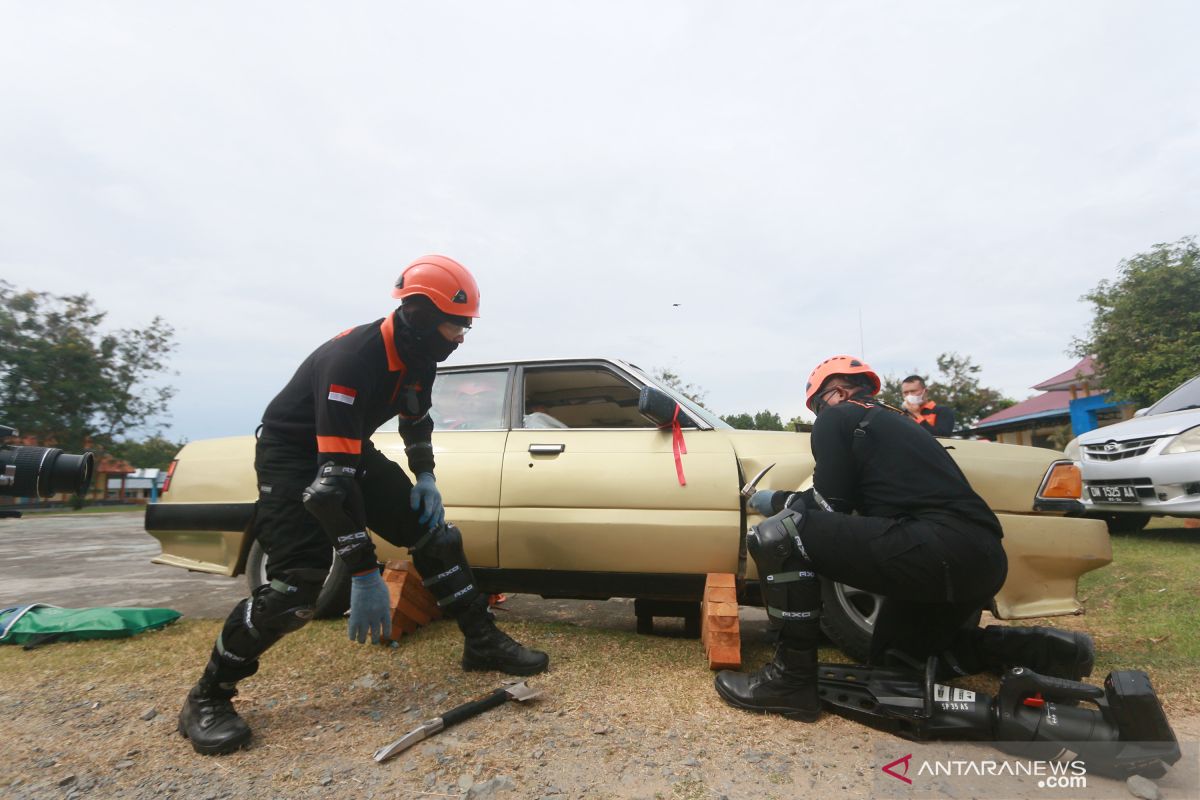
321	424
921	537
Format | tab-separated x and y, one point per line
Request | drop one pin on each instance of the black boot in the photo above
486	647
208	718
785	685
1046	651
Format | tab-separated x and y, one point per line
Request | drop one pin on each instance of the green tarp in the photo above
39	623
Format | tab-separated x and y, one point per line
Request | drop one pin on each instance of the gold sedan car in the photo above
586	478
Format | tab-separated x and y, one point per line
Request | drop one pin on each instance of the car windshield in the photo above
692	407
1185	397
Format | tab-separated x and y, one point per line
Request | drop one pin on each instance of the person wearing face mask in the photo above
938	420
322	484
890	512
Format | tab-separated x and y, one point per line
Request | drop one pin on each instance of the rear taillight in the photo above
170	472
1062	482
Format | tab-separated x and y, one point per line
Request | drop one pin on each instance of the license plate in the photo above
1114	494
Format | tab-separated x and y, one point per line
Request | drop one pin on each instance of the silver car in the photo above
1145	466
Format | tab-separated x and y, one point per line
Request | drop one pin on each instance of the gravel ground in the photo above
613	722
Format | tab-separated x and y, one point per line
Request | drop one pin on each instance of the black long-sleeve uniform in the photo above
337	398
921	536
351	385
896	470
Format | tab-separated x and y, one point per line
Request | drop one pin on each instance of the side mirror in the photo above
1141	412
660	407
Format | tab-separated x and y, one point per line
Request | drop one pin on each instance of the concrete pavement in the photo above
85	560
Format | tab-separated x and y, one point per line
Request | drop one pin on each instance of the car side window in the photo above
466	401
580	397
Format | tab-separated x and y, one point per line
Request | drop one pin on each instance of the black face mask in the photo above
438	347
425	341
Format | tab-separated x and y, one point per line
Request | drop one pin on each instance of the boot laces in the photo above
494	638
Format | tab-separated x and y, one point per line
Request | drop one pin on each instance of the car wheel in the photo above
335	595
848	617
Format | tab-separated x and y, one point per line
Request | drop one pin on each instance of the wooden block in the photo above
725	658
419	597
720	579
720	631
415	613
412	604
723	639
721	594
401	624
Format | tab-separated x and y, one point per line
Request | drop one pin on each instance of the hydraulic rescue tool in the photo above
518	691
748	489
1123	732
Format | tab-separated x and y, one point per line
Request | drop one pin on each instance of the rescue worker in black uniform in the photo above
322	484
921	537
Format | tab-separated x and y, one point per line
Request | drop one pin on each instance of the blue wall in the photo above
1083	412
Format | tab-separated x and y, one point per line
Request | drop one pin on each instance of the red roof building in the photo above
1071	400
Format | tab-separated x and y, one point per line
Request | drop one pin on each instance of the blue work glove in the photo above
427	498
370	607
760	501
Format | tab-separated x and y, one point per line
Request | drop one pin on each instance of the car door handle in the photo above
546	449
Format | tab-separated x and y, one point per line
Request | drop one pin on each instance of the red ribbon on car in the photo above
678	446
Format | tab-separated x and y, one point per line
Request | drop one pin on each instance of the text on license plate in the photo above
1114	494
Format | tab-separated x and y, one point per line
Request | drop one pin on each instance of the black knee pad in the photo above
791	589
275	609
440	559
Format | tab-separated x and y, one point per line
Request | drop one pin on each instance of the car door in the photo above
590	484
470	427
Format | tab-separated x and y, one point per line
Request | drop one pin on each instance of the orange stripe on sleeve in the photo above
339	444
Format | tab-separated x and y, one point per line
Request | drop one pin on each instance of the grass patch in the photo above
1142	608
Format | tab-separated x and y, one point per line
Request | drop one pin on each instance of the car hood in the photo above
1145	427
1006	476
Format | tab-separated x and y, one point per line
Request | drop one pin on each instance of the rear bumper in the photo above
202	537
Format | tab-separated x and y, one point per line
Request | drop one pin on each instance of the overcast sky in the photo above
957	174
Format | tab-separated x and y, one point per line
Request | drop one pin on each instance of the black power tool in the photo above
1118	731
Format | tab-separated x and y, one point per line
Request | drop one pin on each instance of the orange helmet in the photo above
443	280
837	365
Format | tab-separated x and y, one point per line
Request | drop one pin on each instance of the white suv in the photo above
1148	465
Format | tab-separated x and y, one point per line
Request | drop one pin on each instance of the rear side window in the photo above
581	397
469	401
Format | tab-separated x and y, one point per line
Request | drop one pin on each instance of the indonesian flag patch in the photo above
342	394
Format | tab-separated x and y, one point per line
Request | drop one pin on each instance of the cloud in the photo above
258	175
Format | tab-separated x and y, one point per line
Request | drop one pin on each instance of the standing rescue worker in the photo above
938	420
921	537
321	484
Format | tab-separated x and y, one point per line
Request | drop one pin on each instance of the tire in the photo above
334	598
848	618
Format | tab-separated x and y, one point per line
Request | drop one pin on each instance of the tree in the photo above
155	452
762	421
671	379
958	387
66	383
1145	332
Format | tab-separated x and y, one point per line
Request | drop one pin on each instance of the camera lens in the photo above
44	471
70	473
